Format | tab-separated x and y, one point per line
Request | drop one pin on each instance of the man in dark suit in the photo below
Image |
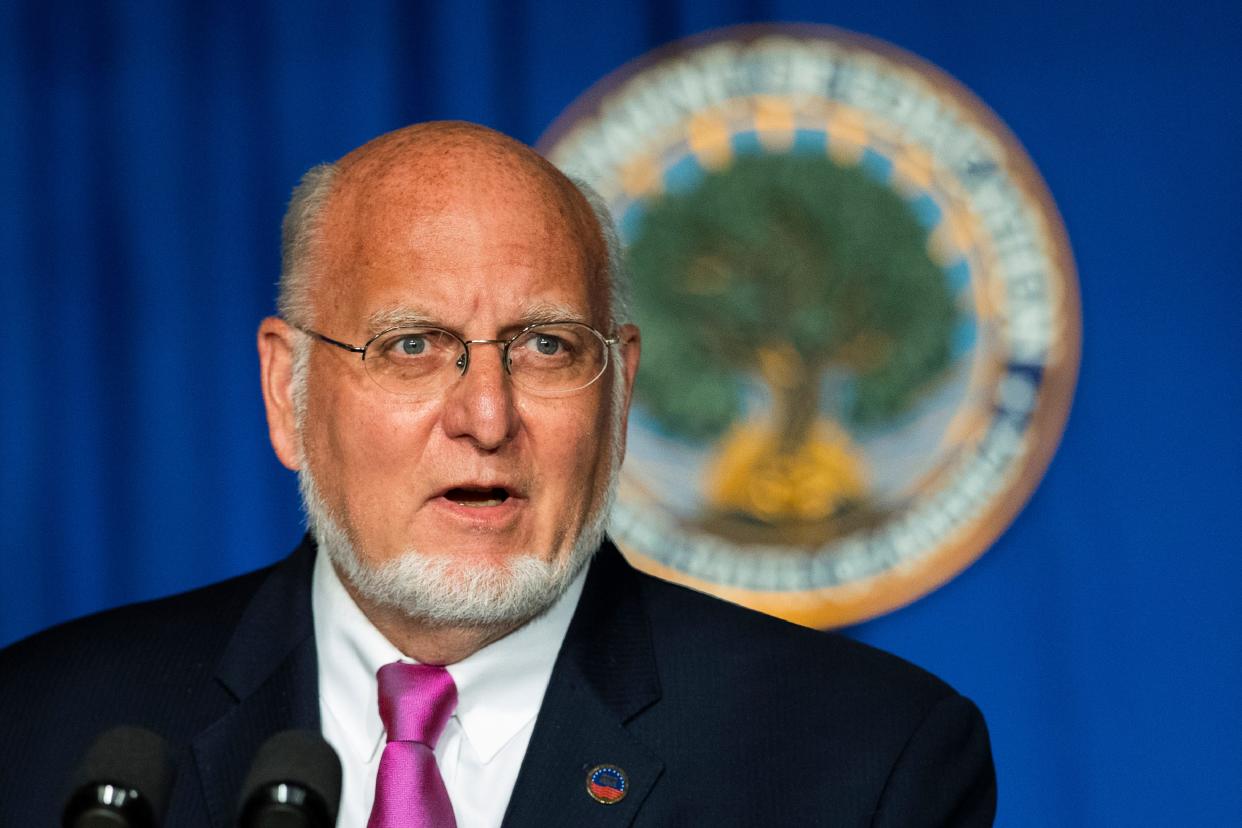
450	377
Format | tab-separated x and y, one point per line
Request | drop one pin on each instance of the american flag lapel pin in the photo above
607	784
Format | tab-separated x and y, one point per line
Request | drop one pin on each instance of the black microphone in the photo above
294	782
123	782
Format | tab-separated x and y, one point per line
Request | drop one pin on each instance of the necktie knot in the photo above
415	701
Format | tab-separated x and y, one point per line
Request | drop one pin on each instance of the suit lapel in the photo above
605	675
268	679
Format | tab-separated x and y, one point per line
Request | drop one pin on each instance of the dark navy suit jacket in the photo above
717	715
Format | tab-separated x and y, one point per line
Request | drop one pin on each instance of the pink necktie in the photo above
415	702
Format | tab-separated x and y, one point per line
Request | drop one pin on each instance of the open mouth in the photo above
477	497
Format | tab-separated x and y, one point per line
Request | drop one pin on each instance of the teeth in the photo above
477	497
475	503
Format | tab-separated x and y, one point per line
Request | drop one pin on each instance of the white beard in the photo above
443	590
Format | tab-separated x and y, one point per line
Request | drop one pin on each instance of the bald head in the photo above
341	211
439	152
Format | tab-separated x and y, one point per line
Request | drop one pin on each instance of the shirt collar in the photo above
499	688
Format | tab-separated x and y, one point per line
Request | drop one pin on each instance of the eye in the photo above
547	344
407	359
553	347
411	345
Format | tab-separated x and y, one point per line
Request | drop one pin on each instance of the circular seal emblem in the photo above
859	313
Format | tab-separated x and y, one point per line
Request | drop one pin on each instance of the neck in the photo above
425	642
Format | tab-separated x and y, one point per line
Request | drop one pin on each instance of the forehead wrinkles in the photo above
379	195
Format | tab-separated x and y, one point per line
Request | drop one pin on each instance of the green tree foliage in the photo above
784	265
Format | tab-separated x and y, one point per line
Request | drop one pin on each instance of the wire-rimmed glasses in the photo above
548	358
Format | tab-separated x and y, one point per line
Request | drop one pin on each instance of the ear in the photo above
276	340
631	350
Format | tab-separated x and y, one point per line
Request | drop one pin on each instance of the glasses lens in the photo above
558	357
413	360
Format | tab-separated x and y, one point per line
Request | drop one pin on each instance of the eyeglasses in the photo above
550	358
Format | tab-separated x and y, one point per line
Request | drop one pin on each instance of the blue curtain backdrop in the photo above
146	151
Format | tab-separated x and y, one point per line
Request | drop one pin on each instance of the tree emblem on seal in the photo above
791	278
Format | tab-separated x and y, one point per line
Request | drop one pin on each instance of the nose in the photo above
479	405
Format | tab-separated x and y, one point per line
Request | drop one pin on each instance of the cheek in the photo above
360	448
573	450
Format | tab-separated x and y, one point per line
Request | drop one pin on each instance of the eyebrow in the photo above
548	312
399	317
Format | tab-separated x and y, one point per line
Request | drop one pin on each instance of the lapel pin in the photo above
606	784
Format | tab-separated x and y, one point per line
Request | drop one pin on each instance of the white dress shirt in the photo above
499	691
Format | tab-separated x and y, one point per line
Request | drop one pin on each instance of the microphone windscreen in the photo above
133	758
302	759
